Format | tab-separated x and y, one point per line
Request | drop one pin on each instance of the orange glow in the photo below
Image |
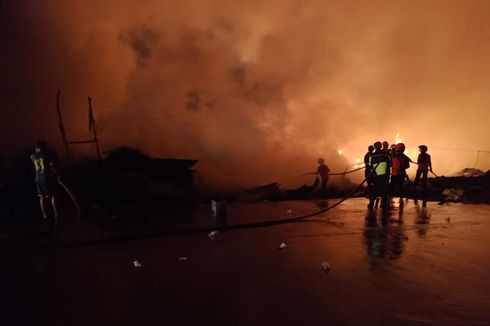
258	89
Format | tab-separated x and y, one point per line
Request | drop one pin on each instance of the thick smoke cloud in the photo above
256	90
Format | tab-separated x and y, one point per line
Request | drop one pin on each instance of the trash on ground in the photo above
282	245
183	258
453	194
137	264
212	234
326	266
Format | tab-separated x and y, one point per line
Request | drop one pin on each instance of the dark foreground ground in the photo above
420	267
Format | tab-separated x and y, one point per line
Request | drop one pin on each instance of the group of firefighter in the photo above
385	172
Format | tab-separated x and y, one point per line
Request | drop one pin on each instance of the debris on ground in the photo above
265	192
282	245
183	258
212	234
453	194
137	264
326	267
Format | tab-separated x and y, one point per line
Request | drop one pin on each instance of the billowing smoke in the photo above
255	90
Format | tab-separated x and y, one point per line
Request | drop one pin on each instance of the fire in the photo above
398	139
358	164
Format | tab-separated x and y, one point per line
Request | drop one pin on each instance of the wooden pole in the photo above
61	125
92	126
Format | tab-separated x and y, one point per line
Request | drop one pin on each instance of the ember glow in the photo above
255	90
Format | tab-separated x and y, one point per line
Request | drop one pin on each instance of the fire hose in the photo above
70	194
231	227
310	173
267	223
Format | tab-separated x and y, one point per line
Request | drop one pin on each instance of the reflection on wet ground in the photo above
414	266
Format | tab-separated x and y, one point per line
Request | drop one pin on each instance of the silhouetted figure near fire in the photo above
424	166
43	161
399	164
367	167
379	161
386	147
322	177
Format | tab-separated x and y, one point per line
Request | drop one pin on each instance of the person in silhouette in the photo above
46	175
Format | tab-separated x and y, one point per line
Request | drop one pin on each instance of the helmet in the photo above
400	147
377	145
321	160
423	148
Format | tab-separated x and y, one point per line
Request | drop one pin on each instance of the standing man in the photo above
424	166
399	164
45	176
367	158
380	166
322	172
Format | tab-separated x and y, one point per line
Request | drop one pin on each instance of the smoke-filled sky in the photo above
255	90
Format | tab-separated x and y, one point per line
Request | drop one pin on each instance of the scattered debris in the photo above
137	264
469	172
282	245
183	258
326	267
212	234
265	192
453	194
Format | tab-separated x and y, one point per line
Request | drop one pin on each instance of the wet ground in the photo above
416	267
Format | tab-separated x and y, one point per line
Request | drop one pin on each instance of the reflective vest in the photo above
379	162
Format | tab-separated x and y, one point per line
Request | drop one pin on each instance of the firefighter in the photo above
367	157
424	166
379	161
399	164
322	173
46	176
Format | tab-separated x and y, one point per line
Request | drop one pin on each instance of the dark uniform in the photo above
45	177
323	171
424	164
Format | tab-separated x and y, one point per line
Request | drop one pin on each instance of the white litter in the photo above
282	245
183	258
326	266
137	264
212	234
